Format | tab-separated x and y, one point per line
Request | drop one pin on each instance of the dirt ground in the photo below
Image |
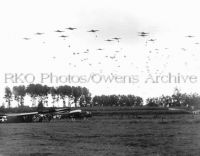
103	136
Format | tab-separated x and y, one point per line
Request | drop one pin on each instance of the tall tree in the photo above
64	92
8	96
31	91
40	106
45	90
114	100
39	91
85	98
54	95
76	93
19	93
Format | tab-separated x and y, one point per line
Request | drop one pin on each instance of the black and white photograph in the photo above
100	78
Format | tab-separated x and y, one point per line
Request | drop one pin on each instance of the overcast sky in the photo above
168	23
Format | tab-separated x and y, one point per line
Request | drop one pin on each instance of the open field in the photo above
104	136
108	111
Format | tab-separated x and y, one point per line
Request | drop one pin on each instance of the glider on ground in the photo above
43	115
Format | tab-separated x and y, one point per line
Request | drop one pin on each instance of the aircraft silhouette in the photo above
38	33
116	38
190	36
152	40
93	30
70	28
143	33
59	31
108	40
63	36
26	38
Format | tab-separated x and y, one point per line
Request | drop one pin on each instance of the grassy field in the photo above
107	111
104	136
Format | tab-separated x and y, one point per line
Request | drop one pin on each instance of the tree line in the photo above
80	95
177	99
117	100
